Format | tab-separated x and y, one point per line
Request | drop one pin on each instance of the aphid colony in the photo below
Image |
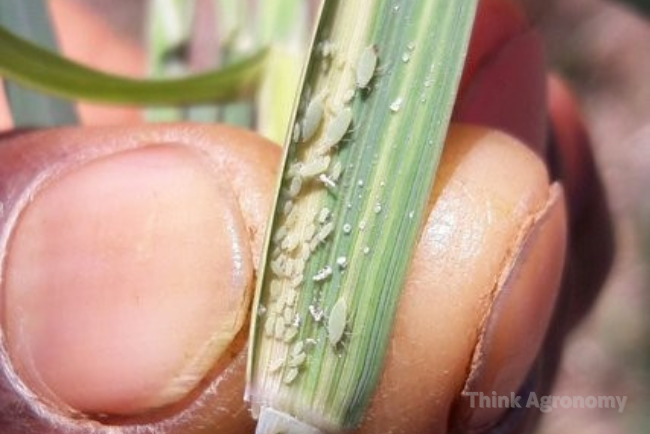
297	235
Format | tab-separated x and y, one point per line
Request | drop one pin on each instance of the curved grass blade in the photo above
44	71
31	20
368	132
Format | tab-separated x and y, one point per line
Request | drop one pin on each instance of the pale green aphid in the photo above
366	66
279	235
288	206
336	171
287	315
312	119
298	348
323	215
295	186
296	132
279	328
315	167
292	374
276	365
290	334
338	128
269	326
298	360
337	321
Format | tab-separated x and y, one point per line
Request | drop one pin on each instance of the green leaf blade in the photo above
390	158
44	71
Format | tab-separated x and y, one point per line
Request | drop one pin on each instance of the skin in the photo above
486	234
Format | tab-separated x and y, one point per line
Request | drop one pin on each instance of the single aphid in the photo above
337	321
337	129
297	279
348	96
292	219
336	171
314	243
288	206
287	315
294	169
296	133
279	328
279	303
295	186
312	119
269	326
315	167
277	266
310	230
275	290
290	242
291	297
298	348
323	215
325	231
291	376
279	235
298	360
290	334
366	66
276	365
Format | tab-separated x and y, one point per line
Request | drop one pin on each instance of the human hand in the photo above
130	252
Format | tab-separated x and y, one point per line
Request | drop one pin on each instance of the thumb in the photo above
109	308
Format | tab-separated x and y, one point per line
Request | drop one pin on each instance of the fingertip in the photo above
168	177
109	307
515	328
477	214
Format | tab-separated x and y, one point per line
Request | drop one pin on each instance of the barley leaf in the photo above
368	131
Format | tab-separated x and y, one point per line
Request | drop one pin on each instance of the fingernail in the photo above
516	325
508	93
125	281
